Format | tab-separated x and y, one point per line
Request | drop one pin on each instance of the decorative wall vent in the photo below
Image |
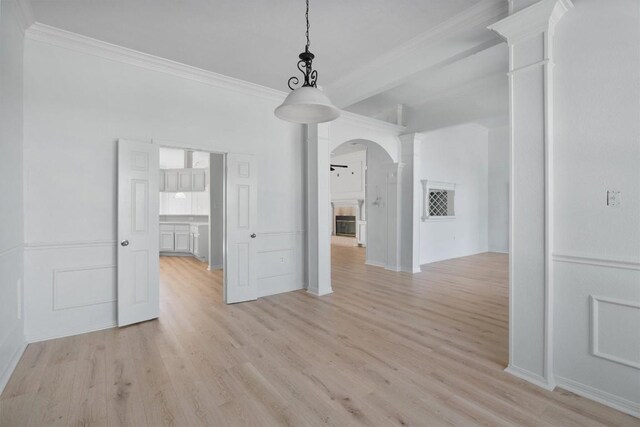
438	200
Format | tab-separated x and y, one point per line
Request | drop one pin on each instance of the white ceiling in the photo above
256	41
436	57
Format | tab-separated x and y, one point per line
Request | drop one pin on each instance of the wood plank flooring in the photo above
384	349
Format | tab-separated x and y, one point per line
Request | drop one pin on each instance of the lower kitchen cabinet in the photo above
185	239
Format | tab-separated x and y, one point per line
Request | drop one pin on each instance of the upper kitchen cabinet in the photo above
198	179
183	180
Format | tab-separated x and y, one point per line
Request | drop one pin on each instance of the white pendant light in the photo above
307	104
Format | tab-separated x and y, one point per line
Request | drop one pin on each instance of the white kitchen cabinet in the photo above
184	180
166	238
181	238
171	180
198	179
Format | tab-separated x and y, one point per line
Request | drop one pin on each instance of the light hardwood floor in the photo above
384	349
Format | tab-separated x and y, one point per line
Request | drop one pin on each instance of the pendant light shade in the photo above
307	105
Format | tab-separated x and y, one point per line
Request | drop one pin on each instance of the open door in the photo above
242	201
138	252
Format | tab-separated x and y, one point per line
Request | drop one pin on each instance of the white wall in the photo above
597	148
349	183
11	184
499	189
77	105
459	155
377	206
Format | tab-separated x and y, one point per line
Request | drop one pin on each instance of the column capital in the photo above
538	18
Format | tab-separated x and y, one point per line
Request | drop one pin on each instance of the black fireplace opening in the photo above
346	225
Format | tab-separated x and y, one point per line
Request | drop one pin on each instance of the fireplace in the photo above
346	225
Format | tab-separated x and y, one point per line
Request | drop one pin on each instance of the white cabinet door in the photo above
171	180
184	180
198	179
181	241
166	241
138	284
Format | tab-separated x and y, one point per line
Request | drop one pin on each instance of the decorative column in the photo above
411	201
318	210
529	34
393	173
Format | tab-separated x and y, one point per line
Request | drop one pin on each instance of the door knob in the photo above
124	243
253	235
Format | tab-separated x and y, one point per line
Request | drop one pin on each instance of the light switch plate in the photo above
613	198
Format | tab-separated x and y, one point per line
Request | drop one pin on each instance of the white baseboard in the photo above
375	264
410	270
608	399
8	371
317	294
523	374
215	267
498	251
52	336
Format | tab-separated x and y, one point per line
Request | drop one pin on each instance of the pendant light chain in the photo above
307	16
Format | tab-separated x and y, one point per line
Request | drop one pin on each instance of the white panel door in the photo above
138	247
242	203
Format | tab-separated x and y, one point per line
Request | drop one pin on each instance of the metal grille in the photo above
438	203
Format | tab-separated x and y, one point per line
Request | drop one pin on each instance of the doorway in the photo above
359	202
187	229
191	216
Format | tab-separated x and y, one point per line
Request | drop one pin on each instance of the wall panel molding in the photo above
595	302
621	263
94	299
33	246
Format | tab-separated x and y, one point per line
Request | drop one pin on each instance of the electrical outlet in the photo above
613	198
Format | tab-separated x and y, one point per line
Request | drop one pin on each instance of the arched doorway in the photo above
363	199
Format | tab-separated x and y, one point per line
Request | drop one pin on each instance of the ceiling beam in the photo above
463	35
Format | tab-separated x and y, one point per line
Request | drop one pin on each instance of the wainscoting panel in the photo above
596	340
280	262
71	288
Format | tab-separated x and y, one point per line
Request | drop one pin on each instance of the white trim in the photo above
370	122
215	267
6	374
523	374
608	399
538	18
620	263
71	332
375	264
69	40
316	294
595	328
436	185
54	286
34	246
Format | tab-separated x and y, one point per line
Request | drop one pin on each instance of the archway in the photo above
364	197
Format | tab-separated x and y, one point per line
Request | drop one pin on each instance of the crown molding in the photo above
57	37
371	123
68	40
533	20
